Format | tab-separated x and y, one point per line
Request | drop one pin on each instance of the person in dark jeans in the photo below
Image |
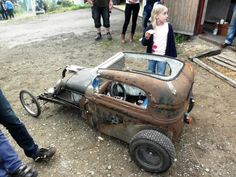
132	6
3	10
231	31
20	134
147	11
10	164
101	8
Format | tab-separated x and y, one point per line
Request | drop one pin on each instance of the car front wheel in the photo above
30	103
152	151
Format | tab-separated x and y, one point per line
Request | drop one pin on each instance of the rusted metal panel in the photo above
122	99
182	15
166	110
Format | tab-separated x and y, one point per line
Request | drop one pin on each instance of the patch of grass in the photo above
63	7
18	10
180	38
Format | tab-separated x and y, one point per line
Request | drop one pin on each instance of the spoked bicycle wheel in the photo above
30	103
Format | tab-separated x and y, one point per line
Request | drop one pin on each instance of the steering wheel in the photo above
117	90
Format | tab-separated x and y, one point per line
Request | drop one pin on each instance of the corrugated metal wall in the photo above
182	15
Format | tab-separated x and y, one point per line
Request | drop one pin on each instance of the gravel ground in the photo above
33	53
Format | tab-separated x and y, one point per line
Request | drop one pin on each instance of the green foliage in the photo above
67	3
64	5
82	6
180	38
51	6
18	10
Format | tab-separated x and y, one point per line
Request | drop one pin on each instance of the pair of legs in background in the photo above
4	15
97	13
129	9
146	16
232	29
10	13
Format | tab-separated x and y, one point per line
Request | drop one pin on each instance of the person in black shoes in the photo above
101	8
10	164
24	171
131	8
20	134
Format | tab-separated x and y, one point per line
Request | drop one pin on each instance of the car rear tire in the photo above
30	103
152	151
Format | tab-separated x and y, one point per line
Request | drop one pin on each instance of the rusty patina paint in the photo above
168	101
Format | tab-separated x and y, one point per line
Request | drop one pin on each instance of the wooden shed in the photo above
192	17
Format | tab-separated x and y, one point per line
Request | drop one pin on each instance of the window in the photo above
121	91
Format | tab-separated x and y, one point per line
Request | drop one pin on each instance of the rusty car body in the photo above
121	99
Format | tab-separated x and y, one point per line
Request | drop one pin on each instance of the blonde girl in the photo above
159	38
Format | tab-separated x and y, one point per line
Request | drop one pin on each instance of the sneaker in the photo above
109	36
225	45
98	37
44	154
24	171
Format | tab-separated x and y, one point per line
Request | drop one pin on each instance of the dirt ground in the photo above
34	51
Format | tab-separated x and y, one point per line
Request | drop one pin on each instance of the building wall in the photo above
182	15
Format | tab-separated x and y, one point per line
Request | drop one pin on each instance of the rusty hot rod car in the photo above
121	99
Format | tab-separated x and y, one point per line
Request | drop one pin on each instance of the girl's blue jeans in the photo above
157	67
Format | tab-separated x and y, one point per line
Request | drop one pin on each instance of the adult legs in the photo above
134	17
146	16
232	29
4	15
9	161
128	11
12	13
105	17
106	21
10	164
134	20
96	15
16	128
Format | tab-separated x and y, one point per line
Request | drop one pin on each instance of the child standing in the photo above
132	6
159	38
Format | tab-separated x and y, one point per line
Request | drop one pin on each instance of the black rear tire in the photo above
152	151
30	103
